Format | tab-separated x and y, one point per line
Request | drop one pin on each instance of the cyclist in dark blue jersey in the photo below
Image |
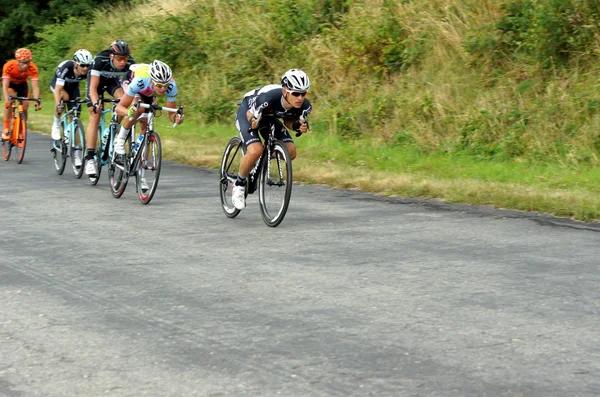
104	76
65	84
286	102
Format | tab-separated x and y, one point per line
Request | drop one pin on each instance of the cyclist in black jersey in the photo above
287	102
104	76
65	84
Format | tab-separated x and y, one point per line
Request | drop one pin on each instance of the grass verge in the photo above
398	171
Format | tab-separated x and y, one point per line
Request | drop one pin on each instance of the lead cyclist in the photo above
287	102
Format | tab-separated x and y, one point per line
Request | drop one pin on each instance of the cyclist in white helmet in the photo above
65	85
144	82
287	102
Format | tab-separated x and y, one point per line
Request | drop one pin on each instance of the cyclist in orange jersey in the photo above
14	83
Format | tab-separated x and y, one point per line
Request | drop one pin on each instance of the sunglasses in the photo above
297	94
161	85
120	58
24	62
84	66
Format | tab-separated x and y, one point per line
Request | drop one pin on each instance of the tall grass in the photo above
507	81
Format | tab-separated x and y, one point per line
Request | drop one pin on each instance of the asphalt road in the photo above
352	295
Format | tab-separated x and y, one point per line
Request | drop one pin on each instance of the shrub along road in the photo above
353	295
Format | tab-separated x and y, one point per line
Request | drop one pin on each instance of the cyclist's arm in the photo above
94	82
123	105
173	116
296	125
5	83
57	91
36	93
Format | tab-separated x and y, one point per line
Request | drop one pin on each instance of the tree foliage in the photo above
20	21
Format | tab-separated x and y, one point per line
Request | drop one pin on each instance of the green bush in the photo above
551	32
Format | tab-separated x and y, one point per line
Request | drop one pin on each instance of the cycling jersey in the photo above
104	68
271	99
65	75
11	72
110	77
141	84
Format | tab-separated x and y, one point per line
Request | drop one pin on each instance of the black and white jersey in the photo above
65	75
104	68
270	98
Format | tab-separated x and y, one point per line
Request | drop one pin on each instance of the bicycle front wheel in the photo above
230	164
275	184
147	176
59	155
21	135
77	148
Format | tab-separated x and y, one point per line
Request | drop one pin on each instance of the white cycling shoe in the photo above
90	168
144	185
119	146
55	132
238	197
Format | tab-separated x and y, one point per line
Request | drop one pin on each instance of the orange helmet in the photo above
23	54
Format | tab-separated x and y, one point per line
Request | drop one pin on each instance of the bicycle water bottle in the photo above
138	142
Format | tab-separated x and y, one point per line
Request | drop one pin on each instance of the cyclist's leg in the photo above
56	123
252	141
114	88
91	135
7	114
254	148
23	91
127	124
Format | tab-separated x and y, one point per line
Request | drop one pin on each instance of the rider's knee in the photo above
254	151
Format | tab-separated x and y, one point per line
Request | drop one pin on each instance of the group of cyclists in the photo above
114	72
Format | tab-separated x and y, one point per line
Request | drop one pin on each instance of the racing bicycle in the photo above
17	128
143	157
72	143
271	175
106	135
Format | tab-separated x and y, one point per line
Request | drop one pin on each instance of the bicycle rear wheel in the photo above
230	164
77	148
95	178
21	138
275	184
59	155
147	176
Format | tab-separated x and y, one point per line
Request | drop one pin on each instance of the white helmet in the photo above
83	57
295	79
160	72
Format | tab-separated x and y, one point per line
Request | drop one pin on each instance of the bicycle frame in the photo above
69	119
135	158
106	138
18	128
145	154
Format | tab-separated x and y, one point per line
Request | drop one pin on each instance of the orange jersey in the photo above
11	72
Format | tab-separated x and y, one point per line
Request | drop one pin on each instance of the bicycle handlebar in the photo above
179	111
303	117
22	98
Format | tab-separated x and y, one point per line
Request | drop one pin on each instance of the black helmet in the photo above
120	47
